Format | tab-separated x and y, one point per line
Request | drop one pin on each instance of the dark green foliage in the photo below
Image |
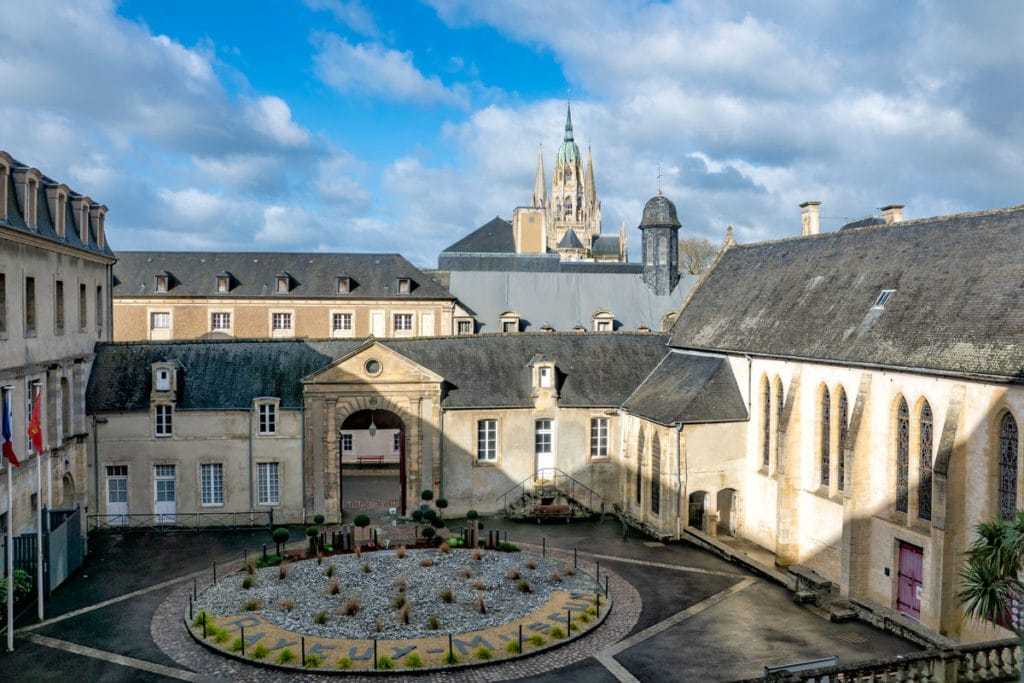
427	494
318	519
472	514
506	547
441	503
361	521
417	515
428	533
312	531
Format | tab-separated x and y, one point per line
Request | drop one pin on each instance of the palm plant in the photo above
990	579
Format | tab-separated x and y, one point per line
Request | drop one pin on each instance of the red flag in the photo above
35	427
6	433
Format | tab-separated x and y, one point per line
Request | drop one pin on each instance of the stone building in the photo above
853	409
55	275
163	296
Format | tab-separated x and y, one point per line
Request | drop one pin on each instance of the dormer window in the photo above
404	285
160	283
604	321
883	298
544	374
80	212
344	284
225	281
26	182
509	321
58	198
284	283
5	171
163	379
543	371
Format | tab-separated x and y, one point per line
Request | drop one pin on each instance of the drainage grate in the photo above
850	638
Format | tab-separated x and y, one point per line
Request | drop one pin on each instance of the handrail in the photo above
181	520
555	472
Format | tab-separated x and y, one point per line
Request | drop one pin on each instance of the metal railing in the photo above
183	520
553	478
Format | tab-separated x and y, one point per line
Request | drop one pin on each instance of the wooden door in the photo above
909	586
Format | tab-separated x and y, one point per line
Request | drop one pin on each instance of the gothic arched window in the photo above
826	424
924	489
655	475
902	455
662	250
1007	467
639	465
841	446
766	419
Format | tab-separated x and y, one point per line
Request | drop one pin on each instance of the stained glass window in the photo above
826	421
924	490
655	475
766	418
843	425
902	454
639	465
1007	467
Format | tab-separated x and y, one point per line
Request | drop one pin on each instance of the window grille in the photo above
826	423
1007	467
902	455
843	428
924	492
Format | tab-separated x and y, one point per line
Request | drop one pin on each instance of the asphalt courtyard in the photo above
695	617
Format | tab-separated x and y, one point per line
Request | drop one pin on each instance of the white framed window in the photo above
163	478
163	420
211	483
220	322
544	374
487	440
341	324
117	484
346	443
268	483
599	437
509	326
281	324
465	327
403	322
160	320
542	437
883	298
267	419
396	442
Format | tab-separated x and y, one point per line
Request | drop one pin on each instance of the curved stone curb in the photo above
168	633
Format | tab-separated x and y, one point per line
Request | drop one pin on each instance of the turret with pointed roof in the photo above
540	185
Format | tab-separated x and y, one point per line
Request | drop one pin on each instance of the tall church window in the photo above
843	425
826	423
655	475
662	250
902	455
639	465
650	252
766	419
1007	467
779	404
924	492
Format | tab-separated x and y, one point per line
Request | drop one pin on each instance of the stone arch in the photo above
698	505
727	501
67	491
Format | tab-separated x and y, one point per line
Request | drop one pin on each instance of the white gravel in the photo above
308	587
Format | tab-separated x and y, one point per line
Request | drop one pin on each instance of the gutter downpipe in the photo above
250	462
96	461
679	480
440	451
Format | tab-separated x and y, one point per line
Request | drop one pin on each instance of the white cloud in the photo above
377	71
271	115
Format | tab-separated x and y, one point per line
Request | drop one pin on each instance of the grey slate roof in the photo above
958	308
488	371
865	222
495	236
45	224
689	388
567	298
570	240
194	274
605	244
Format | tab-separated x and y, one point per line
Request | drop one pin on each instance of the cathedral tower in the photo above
573	205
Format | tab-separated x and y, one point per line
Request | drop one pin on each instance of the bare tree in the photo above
695	254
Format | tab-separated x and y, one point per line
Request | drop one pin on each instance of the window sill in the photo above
600	458
270	505
211	505
163	436
485	463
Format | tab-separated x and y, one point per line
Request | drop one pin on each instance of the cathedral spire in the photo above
590	188
568	123
540	190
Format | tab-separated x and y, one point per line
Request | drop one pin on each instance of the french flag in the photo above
7	433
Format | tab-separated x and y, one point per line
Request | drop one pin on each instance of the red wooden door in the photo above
911	570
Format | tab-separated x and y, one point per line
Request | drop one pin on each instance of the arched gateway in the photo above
372	388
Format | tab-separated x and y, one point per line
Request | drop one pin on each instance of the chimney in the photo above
892	213
809	218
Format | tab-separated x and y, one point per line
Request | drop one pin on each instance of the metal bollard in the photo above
204	624
303	650
245	557
520	639
242	629
194	587
544	546
451	654
190	608
214	572
606	584
568	623
574	565
374	653
264	552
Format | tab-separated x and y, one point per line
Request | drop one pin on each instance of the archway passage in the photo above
67	499
697	505
373	463
726	500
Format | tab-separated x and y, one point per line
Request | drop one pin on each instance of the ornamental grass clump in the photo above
366	568
403	614
433	623
385	663
513	574
556	633
282	571
345	663
445	548
312	661
320	618
524	586
236	645
334	587
478	554
398	601
512	647
249	581
426	562
379	625
260	651
569	571
413	661
556	577
286	656
467	573
251	605
480	585
480	606
530	564
201	616
450	657
400	552
483	653
329	572
221	635
401	584
288	604
536	640
351	607
250	567
447	595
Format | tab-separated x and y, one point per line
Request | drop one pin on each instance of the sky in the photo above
400	126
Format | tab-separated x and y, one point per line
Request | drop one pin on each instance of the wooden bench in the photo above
542	511
369	460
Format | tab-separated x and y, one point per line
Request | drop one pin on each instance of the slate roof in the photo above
495	236
570	240
605	244
689	388
865	222
594	370
194	274
45	224
567	298
958	308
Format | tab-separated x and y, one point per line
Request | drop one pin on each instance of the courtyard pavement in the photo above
688	616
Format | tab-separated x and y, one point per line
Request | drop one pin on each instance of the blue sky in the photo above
399	126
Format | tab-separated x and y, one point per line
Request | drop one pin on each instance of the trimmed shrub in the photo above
260	651
506	547
312	661
362	521
427	494
428	533
286	656
413	661
483	653
417	515
281	536
512	647
318	519
345	663
472	514
385	663
441	503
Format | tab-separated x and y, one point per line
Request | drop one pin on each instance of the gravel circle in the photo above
373	582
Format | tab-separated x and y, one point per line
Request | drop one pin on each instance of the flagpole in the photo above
39	530
10	557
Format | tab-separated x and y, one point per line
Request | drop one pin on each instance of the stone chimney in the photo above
809	219
892	213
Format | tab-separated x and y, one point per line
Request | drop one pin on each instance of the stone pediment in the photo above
373	363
